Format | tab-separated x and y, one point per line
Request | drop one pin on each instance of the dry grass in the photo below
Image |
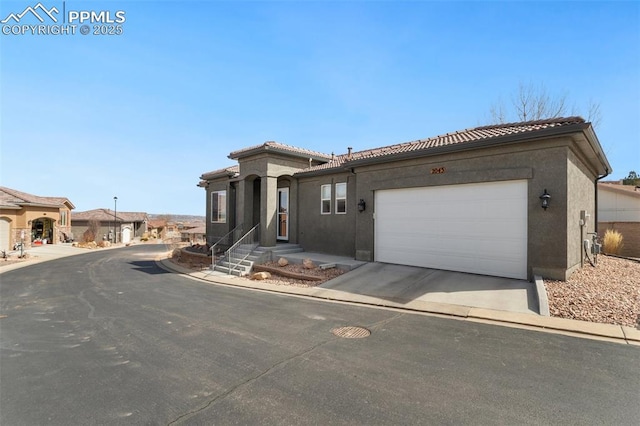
612	242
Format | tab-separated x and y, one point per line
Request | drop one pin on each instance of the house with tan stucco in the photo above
33	219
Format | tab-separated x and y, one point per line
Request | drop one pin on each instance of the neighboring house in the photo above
121	228
197	235
157	228
36	219
467	201
619	209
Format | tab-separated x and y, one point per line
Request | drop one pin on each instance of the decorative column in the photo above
268	211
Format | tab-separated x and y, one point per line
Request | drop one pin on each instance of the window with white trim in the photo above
325	199
219	207
341	198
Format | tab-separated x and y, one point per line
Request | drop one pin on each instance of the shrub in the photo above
612	242
92	231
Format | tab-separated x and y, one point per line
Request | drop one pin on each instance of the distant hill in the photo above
177	217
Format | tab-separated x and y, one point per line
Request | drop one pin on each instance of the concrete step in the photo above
225	270
241	264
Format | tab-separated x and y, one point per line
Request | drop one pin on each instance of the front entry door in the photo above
283	214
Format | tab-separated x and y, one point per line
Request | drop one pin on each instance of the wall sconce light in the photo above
545	199
361	205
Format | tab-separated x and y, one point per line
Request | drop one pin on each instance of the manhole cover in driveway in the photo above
351	332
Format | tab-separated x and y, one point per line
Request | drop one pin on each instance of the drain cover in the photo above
351	332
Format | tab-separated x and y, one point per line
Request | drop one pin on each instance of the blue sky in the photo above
143	114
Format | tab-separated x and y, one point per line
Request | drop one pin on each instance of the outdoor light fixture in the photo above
361	205
545	199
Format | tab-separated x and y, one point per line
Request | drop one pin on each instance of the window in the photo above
341	198
63	218
325	197
219	207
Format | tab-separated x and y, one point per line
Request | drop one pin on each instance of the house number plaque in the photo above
437	170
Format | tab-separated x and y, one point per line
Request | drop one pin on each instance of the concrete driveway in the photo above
404	284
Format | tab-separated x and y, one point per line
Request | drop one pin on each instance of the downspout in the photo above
595	227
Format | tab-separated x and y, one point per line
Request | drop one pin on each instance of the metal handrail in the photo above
235	231
249	242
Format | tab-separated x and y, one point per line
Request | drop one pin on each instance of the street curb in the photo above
614	333
541	292
34	260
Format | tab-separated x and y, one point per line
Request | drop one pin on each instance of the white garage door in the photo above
479	228
5	233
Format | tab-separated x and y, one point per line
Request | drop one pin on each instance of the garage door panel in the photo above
5	234
478	228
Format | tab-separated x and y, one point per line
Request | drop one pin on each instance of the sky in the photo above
142	114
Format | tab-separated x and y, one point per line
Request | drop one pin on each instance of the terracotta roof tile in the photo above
227	171
13	198
466	136
277	146
104	215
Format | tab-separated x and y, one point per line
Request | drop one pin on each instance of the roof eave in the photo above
593	141
468	146
49	206
338	169
277	150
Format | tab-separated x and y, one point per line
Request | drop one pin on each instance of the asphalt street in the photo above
108	337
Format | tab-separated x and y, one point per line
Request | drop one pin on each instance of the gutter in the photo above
593	141
595	227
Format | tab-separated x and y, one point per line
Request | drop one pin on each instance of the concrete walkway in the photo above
410	297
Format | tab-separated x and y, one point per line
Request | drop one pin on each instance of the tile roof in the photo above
279	147
198	230
156	223
464	137
12	199
105	215
227	171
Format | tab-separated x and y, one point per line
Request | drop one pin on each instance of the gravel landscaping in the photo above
608	293
321	275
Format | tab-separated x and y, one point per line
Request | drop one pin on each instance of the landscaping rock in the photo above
308	264
283	262
261	276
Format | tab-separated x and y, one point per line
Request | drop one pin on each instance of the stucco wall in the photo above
553	235
543	164
19	220
327	233
581	196
216	230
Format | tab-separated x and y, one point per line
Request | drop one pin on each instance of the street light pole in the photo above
115	218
